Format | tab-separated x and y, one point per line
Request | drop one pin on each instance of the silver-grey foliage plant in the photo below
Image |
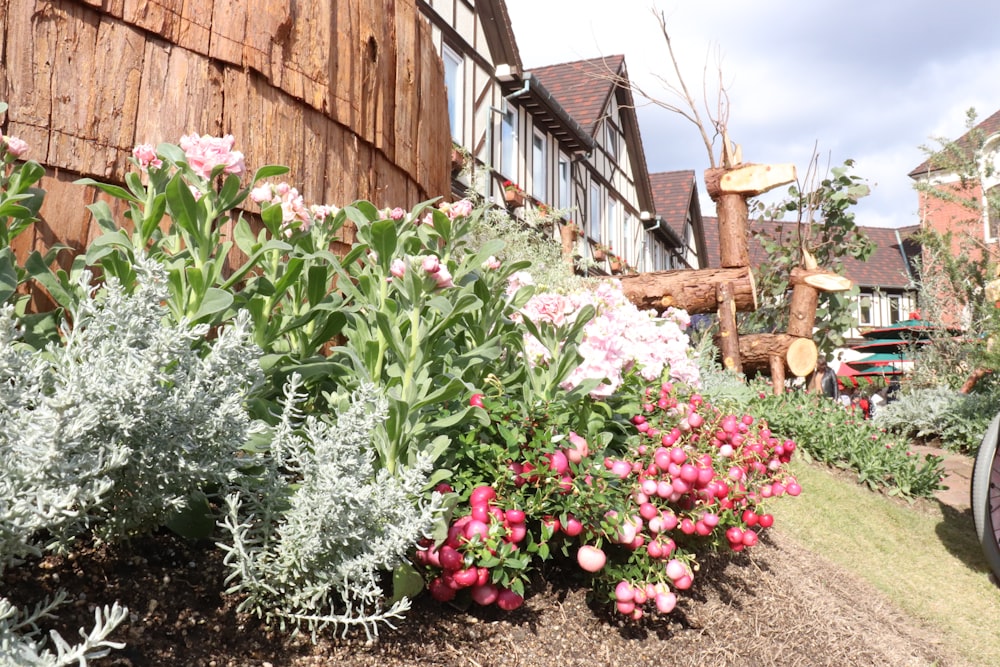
314	534
113	429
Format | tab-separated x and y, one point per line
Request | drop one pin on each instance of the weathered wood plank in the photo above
229	25
181	93
182	22
407	93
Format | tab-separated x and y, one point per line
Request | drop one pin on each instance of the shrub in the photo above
830	434
958	421
313	532
21	644
114	429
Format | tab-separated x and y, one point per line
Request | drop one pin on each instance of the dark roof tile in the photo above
672	193
582	87
988	127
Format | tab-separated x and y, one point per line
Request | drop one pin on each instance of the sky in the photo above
870	81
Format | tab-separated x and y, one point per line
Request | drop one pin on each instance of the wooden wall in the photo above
347	93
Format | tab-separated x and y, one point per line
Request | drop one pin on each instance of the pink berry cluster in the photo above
697	477
455	560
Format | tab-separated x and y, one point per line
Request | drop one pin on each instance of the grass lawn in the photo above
924	556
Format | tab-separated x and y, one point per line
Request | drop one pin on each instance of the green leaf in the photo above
196	520
182	206
172	153
8	274
269	170
216	300
115	191
383	239
406	582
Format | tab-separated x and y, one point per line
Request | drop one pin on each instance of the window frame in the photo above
456	108
539	165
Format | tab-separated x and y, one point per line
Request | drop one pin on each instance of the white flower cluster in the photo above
314	556
112	430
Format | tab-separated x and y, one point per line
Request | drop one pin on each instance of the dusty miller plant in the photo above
22	643
116	426
314	533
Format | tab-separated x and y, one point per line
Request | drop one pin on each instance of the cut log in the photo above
824	281
777	375
747	180
802	310
694	291
799	354
729	337
734	245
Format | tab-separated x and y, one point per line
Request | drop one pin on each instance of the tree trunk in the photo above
694	291
824	281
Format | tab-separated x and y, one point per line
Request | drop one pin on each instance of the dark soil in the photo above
776	605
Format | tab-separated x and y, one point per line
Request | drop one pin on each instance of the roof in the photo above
584	89
889	265
987	128
672	193
499	34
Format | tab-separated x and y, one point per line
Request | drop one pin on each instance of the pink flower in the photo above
204	154
397	214
548	307
431	264
323	211
16	147
517	281
428	219
443	278
460	209
145	155
262	193
491	264
397	268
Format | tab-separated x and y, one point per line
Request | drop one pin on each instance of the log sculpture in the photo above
695	291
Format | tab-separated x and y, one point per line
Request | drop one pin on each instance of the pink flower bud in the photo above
431	264
443	278
397	268
397	213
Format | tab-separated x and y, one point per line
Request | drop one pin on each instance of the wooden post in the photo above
729	338
730	189
777	375
567	234
802	310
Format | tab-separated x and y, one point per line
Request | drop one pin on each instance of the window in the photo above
594	217
612	224
453	79
611	140
632	255
538	167
508	145
865	309
895	308
563	182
